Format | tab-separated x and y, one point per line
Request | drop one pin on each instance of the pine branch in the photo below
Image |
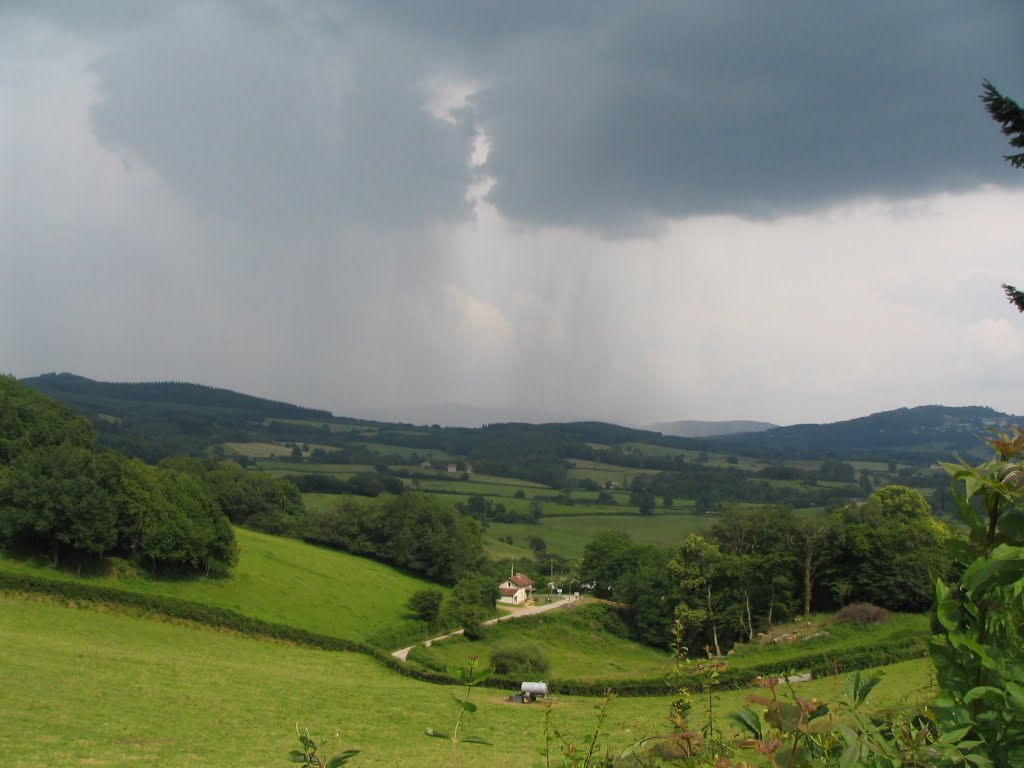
1015	297
1010	117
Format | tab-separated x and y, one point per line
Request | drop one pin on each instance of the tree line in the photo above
756	567
60	497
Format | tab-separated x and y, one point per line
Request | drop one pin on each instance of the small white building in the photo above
516	589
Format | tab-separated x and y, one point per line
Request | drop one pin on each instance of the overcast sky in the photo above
631	211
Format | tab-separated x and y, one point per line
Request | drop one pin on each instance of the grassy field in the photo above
277	467
320	501
477	487
257	450
567	536
605	473
572	639
288	582
331	425
387	449
485	485
100	689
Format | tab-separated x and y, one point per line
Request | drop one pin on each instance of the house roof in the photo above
521	581
508	591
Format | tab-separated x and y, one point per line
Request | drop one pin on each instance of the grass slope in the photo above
574	640
100	689
287	582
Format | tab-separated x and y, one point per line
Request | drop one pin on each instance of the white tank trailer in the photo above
530	691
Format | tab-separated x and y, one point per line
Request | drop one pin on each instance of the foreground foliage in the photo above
980	656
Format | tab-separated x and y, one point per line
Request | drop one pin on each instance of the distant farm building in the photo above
516	589
453	467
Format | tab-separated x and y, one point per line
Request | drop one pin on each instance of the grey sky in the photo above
791	211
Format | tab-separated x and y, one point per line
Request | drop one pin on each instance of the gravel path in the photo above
565	602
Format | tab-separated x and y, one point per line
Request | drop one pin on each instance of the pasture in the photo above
279	468
574	640
257	450
333	426
287	582
567	536
102	689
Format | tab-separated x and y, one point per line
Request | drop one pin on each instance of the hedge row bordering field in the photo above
823	663
177	609
820	664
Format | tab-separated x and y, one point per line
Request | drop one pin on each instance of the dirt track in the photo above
402	653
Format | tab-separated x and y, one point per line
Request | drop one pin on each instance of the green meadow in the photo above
574	640
600	473
287	582
333	426
279	468
569	535
257	450
102	689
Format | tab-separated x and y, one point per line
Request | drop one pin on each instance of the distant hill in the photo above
156	419
72	388
692	428
908	434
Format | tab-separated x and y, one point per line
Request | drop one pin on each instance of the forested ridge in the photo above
158	419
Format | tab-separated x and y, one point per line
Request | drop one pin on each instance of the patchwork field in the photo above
569	535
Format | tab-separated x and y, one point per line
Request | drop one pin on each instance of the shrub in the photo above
863	613
473	629
519	659
425	604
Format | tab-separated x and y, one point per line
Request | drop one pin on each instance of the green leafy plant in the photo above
470	678
308	754
979	658
584	753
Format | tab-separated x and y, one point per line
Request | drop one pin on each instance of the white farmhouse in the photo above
516	589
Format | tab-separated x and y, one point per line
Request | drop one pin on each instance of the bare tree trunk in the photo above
750	620
808	580
714	624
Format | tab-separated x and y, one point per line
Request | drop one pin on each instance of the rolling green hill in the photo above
285	582
103	689
156	419
916	435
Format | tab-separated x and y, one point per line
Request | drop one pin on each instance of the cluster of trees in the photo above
61	497
756	567
411	531
58	496
357	453
470	602
256	500
714	486
485	512
362	484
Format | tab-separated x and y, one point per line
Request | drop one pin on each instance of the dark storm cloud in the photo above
606	116
759	109
249	117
